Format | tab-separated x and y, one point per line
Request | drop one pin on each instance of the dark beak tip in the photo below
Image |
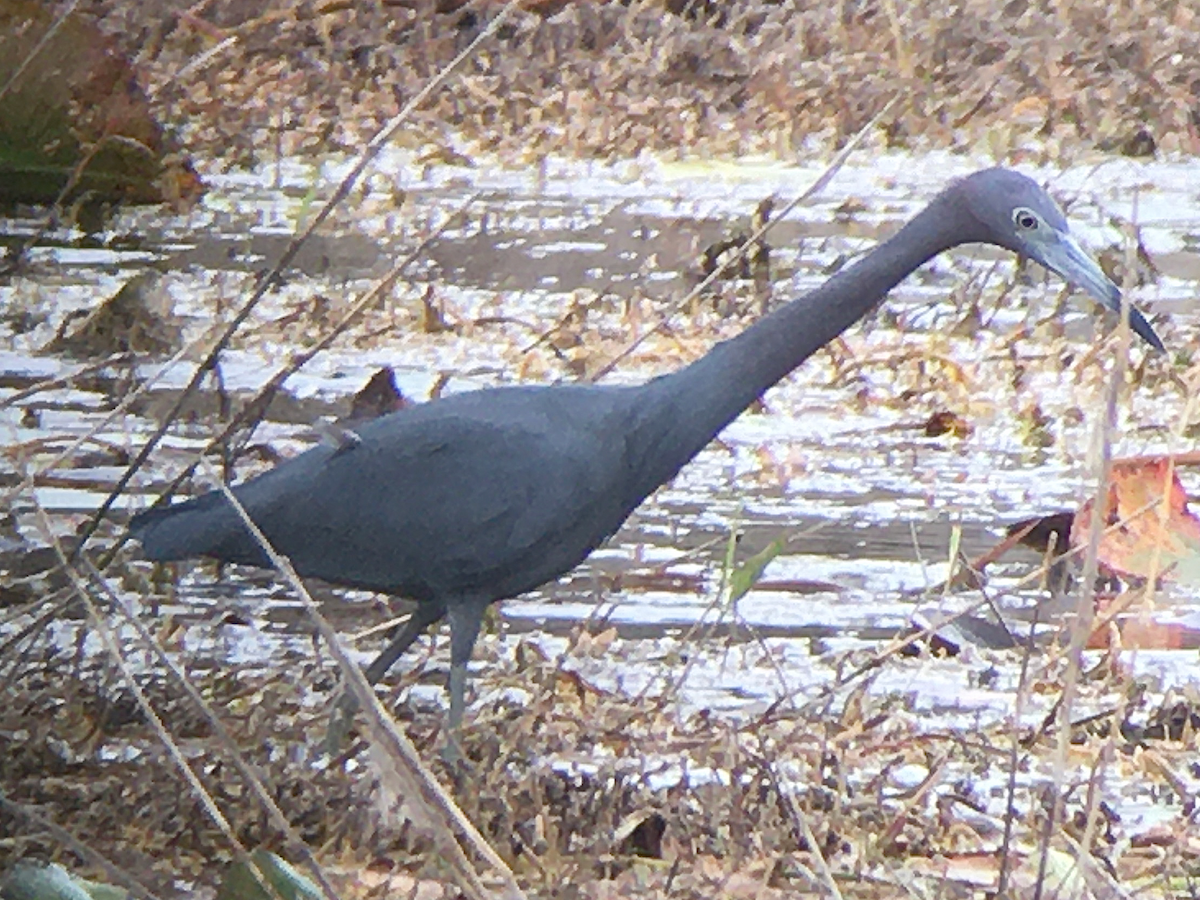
1139	323
1143	329
1154	340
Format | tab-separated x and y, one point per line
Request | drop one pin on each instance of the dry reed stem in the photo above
753	241
417	785
265	282
114	651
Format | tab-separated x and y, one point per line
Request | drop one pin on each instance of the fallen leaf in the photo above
1149	532
946	422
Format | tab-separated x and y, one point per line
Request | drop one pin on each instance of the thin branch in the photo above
268	280
257	783
440	813
754	240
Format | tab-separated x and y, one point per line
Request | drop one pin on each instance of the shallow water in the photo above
836	458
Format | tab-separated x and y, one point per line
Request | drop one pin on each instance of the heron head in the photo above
1014	212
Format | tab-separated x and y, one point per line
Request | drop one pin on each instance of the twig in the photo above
267	391
267	281
113	649
1085	606
799	822
64	837
60	381
753	241
441	814
1014	757
295	844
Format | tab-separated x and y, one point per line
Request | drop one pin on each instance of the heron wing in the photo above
430	502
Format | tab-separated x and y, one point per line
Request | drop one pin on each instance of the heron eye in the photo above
1025	219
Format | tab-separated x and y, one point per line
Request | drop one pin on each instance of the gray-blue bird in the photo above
485	495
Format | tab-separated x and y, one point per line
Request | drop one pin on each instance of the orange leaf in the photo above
1148	529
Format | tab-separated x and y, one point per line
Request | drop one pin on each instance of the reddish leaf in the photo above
380	396
1045	534
1141	633
1148	529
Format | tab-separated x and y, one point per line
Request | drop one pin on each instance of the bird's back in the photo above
488	493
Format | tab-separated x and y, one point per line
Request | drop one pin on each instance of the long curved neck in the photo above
681	412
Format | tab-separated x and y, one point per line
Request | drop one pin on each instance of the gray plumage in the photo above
486	495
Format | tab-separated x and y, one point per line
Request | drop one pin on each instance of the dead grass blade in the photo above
115	652
399	762
67	839
1081	628
267	280
294	843
754	241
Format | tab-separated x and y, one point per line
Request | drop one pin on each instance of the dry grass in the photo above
610	80
616	822
800	790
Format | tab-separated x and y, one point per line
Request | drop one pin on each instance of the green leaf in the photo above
29	880
746	575
241	884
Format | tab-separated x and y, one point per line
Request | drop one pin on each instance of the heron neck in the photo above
687	408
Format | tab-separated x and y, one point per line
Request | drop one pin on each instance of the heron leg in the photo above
422	617
465	618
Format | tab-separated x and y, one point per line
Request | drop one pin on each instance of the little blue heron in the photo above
485	495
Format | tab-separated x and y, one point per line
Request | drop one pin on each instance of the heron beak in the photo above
1064	256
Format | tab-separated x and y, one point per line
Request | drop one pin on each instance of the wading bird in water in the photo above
485	495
